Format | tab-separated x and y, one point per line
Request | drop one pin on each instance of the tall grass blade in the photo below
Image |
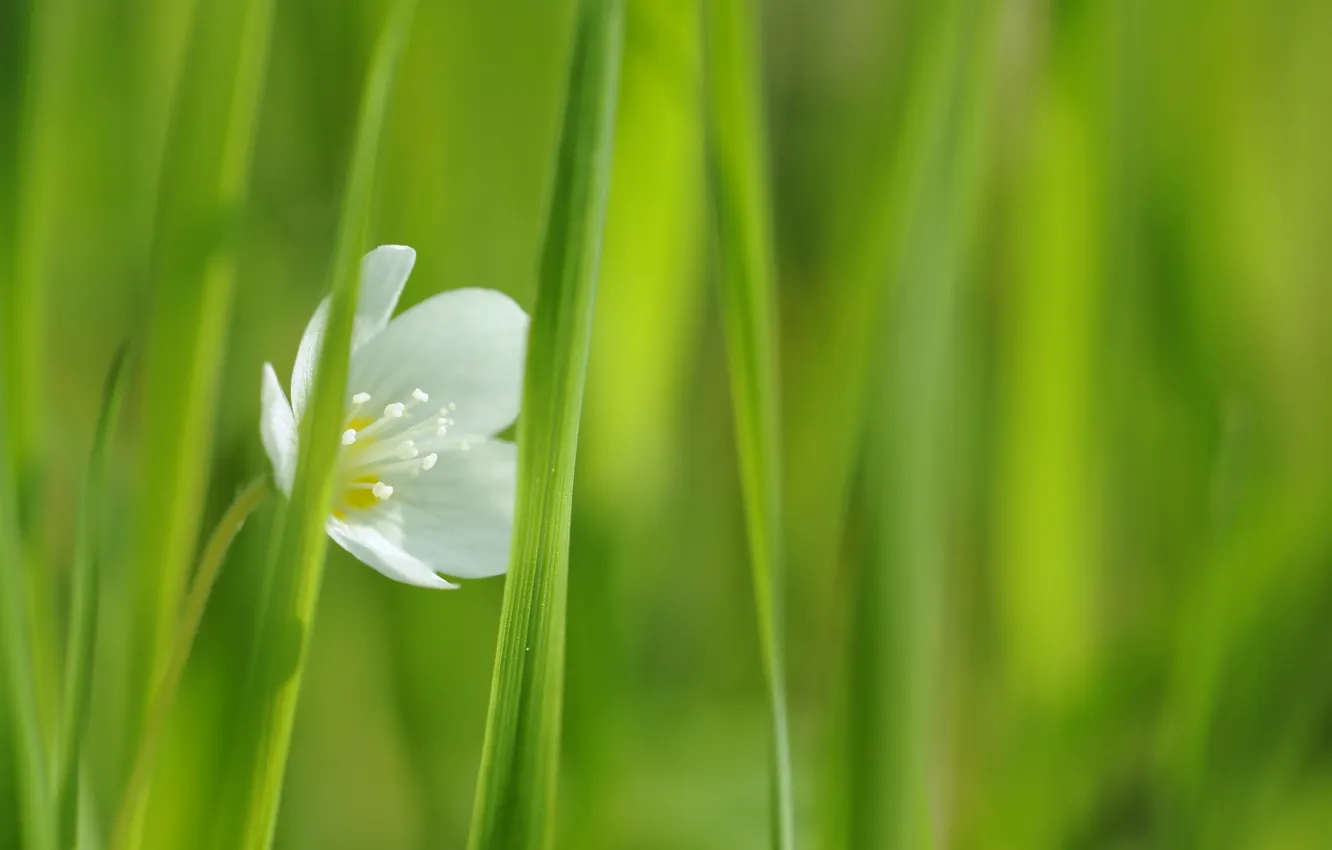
50	38
1048	541
24	287
193	278
27	68
516	788
204	177
84	595
737	165
899	609
650	300
301	543
164	693
36	815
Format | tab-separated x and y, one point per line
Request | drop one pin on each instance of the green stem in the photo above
37	822
517	785
83	608
736	133
210	564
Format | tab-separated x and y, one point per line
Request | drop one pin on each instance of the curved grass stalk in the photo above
164	695
83	607
737	168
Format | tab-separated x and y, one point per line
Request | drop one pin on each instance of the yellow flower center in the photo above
374	450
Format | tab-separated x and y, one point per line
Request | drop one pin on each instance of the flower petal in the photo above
464	347
384	272
458	516
372	544
277	429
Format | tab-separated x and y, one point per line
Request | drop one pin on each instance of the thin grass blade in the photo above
650	300
42	93
300	546
925	215
36	814
204	178
516	788
897	679
193	279
737	165
85	581
50	40
37	821
164	694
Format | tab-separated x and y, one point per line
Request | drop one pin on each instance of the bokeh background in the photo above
1055	361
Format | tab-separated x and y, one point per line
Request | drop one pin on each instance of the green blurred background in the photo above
1059	344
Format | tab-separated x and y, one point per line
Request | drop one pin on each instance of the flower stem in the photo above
210	564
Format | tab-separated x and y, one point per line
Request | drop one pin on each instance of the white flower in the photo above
421	486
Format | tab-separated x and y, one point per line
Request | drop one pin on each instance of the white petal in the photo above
464	347
384	272
307	358
367	540
458	516
277	429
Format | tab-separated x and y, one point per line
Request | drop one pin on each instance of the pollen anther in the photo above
349	436
381	490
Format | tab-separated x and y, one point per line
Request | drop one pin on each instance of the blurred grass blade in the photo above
738	173
84	595
36	816
40	95
650	301
1048	538
164	693
193	277
516	788
900	603
51	37
301	544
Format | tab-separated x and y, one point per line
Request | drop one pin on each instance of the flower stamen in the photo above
397	442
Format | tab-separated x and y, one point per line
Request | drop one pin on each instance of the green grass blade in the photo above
650	300
203	184
897	680
516	788
24	294
38	40
1048	541
738	174
50	39
193	278
84	594
36	814
298	570
164	693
